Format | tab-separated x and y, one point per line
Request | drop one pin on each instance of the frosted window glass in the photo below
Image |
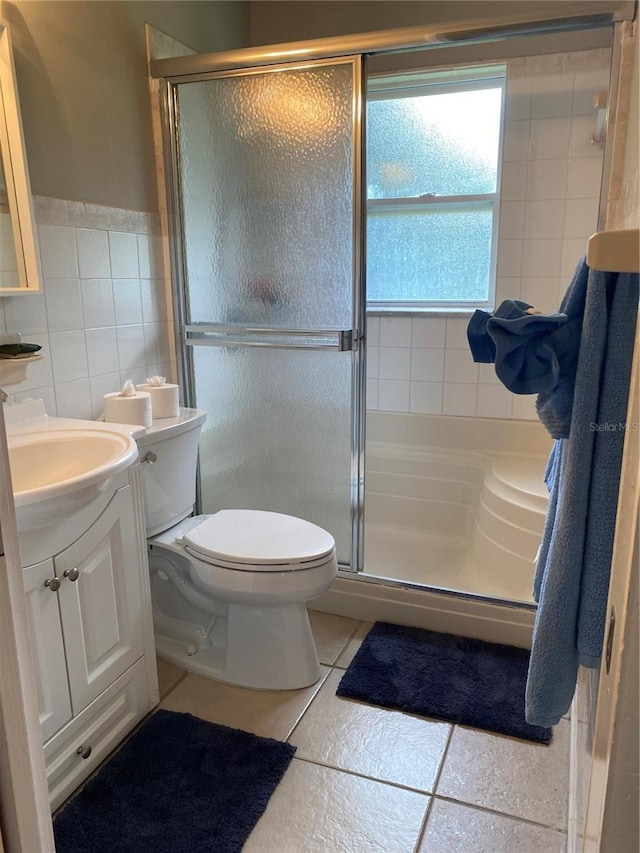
446	144
267	187
433	256
425	140
277	435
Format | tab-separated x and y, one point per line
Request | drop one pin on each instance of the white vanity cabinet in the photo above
90	618
48	648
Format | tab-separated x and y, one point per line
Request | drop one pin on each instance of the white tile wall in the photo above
93	253
58	251
550	193
123	253
63	299
127	301
426	398
102	317
97	302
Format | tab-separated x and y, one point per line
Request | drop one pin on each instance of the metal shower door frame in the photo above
189	335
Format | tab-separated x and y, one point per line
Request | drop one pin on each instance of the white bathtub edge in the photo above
373	601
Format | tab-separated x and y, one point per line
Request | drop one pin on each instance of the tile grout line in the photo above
436	782
437	796
331	667
346	643
359	775
321	682
495	812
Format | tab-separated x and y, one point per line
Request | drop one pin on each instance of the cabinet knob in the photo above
84	751
150	458
53	584
72	574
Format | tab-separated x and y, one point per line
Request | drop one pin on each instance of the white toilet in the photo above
229	590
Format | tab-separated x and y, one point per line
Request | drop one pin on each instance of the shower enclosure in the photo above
267	183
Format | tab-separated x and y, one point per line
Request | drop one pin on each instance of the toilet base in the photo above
270	648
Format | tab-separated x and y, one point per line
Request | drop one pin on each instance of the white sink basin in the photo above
56	472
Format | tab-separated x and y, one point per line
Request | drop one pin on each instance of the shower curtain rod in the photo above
614	251
407	38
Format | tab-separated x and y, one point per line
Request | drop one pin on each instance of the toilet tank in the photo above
169	481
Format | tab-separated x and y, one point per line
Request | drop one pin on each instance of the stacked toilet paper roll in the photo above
164	397
129	406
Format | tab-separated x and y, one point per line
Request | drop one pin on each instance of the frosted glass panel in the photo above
440	257
277	435
267	186
444	144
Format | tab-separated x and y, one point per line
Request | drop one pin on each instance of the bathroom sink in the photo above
56	472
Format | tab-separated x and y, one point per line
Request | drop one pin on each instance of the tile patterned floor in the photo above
370	780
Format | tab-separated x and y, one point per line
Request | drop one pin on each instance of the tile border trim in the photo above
79	214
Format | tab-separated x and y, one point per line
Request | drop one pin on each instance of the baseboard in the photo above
372	601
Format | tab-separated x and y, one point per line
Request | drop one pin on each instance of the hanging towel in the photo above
535	353
554	405
572	577
520	341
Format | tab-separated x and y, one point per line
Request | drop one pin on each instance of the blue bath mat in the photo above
179	785
439	675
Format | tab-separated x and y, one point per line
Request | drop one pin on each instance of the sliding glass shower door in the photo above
266	186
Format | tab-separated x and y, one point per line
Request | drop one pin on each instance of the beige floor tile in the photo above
350	652
455	828
510	776
168	676
270	713
385	745
318	810
331	633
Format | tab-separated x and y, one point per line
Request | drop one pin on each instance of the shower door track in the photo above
396	583
423	37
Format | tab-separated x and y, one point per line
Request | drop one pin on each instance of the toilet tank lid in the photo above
258	538
160	428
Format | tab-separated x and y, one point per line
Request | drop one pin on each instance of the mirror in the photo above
19	270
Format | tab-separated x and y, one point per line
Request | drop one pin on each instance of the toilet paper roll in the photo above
128	410
164	399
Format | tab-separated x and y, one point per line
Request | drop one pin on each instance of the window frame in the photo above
443	81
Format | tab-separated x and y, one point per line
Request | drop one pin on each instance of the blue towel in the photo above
572	577
521	345
535	353
554	405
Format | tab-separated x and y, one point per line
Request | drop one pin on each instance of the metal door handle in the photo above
72	574
53	584
346	340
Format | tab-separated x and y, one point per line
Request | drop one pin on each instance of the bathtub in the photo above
454	503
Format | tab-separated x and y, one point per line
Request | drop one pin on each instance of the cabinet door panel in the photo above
101	610
48	649
102	725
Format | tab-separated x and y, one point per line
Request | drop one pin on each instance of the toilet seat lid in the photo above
253	538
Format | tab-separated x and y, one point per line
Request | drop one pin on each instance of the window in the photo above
433	143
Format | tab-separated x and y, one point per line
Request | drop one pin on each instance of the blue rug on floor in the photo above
439	675
179	785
